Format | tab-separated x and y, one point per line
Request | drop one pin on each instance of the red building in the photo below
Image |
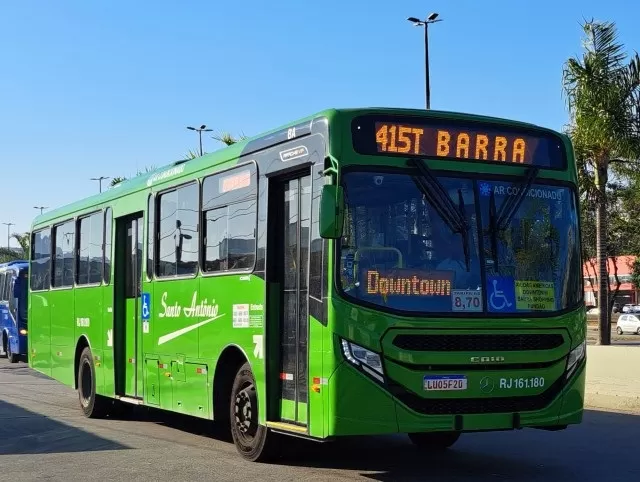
623	266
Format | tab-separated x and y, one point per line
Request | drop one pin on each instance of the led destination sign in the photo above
408	282
456	140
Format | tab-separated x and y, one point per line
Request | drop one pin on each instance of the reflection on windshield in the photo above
533	264
398	252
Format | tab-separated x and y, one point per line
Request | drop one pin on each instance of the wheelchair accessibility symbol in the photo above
501	294
146	306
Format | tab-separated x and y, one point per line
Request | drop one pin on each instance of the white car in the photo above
628	324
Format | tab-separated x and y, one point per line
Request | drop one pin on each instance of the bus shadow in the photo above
394	458
603	447
26	432
176	421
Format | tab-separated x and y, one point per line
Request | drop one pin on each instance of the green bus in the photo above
358	271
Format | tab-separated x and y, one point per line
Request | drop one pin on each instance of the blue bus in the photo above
14	289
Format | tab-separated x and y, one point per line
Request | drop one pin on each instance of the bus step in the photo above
287	427
134	401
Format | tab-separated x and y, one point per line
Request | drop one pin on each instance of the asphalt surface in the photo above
43	435
624	339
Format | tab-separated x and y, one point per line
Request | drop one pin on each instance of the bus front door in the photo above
289	217
128	289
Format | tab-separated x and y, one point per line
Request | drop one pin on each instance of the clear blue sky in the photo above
103	88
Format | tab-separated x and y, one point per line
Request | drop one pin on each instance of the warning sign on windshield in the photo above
535	295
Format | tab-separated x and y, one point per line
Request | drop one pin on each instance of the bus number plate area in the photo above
438	383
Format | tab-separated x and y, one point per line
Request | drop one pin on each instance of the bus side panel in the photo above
63	341
39	337
175	320
88	322
240	321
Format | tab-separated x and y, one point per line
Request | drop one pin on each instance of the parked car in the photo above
628	324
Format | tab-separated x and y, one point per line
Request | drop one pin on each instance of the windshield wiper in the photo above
465	238
511	205
493	229
437	196
500	221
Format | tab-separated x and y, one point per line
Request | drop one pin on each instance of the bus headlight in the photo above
23	331
576	356
366	360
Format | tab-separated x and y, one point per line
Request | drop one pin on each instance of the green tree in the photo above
602	92
22	252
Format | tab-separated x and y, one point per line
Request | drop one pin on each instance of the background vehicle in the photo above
628	323
362	271
13	309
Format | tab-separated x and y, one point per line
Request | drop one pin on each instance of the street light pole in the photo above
8	225
41	208
425	23
99	179
200	130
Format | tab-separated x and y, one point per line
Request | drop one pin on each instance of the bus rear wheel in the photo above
93	405
13	358
434	440
253	441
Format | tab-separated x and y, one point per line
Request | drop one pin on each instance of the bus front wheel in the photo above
434	440
253	441
93	405
5	342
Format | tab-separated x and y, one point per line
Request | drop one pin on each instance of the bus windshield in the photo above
531	256
400	249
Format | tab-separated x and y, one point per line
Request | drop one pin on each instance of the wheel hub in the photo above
85	388
244	413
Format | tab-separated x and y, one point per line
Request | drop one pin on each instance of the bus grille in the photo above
478	342
460	406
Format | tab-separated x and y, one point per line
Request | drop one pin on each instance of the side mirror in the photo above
331	211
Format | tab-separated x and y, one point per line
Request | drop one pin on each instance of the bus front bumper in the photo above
361	406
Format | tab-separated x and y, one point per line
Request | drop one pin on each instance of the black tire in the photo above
434	440
93	406
253	441
13	358
619	331
4	346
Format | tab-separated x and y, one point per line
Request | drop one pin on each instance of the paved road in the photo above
625	339
43	436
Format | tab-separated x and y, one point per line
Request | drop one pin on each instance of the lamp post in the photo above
200	130
99	179
41	208
425	23
8	225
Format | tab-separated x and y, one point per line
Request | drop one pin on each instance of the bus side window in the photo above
11	298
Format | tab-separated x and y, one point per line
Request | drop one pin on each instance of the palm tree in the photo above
21	253
226	138
117	180
602	89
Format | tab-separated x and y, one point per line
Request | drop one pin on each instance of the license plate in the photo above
444	383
